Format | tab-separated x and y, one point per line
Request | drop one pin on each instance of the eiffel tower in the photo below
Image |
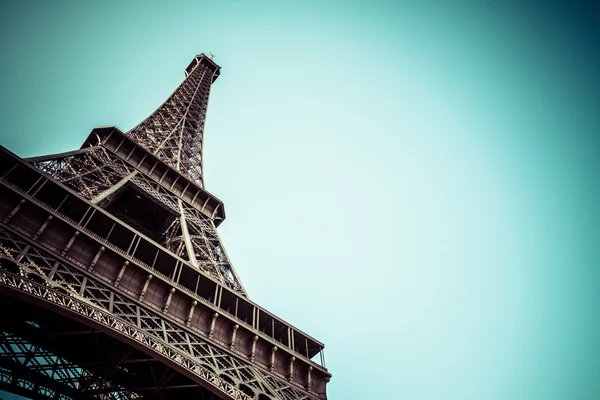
114	283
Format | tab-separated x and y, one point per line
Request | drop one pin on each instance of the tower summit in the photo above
114	283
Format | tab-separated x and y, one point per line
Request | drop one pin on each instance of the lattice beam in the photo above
175	131
117	243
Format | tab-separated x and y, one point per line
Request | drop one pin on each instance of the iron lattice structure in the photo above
114	281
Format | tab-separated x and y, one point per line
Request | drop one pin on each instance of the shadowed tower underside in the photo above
115	283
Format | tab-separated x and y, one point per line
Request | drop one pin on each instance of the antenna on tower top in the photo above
211	56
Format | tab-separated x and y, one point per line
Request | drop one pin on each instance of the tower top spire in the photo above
175	131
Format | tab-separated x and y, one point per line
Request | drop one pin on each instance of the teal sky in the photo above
414	183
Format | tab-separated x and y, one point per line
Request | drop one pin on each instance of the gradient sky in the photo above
416	184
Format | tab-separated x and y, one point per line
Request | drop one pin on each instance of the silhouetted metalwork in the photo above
115	284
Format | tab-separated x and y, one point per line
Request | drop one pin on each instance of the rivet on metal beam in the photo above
191	314
121	272
235	328
168	302
212	325
14	211
205	202
253	353
43	227
272	366
96	257
68	246
291	379
145	288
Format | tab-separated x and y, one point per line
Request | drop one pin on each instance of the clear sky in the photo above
416	184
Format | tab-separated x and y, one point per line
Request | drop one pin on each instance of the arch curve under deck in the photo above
49	325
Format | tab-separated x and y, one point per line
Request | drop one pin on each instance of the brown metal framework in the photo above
117	244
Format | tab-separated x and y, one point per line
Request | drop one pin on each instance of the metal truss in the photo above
175	131
26	366
98	261
89	172
42	353
95	171
30	270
